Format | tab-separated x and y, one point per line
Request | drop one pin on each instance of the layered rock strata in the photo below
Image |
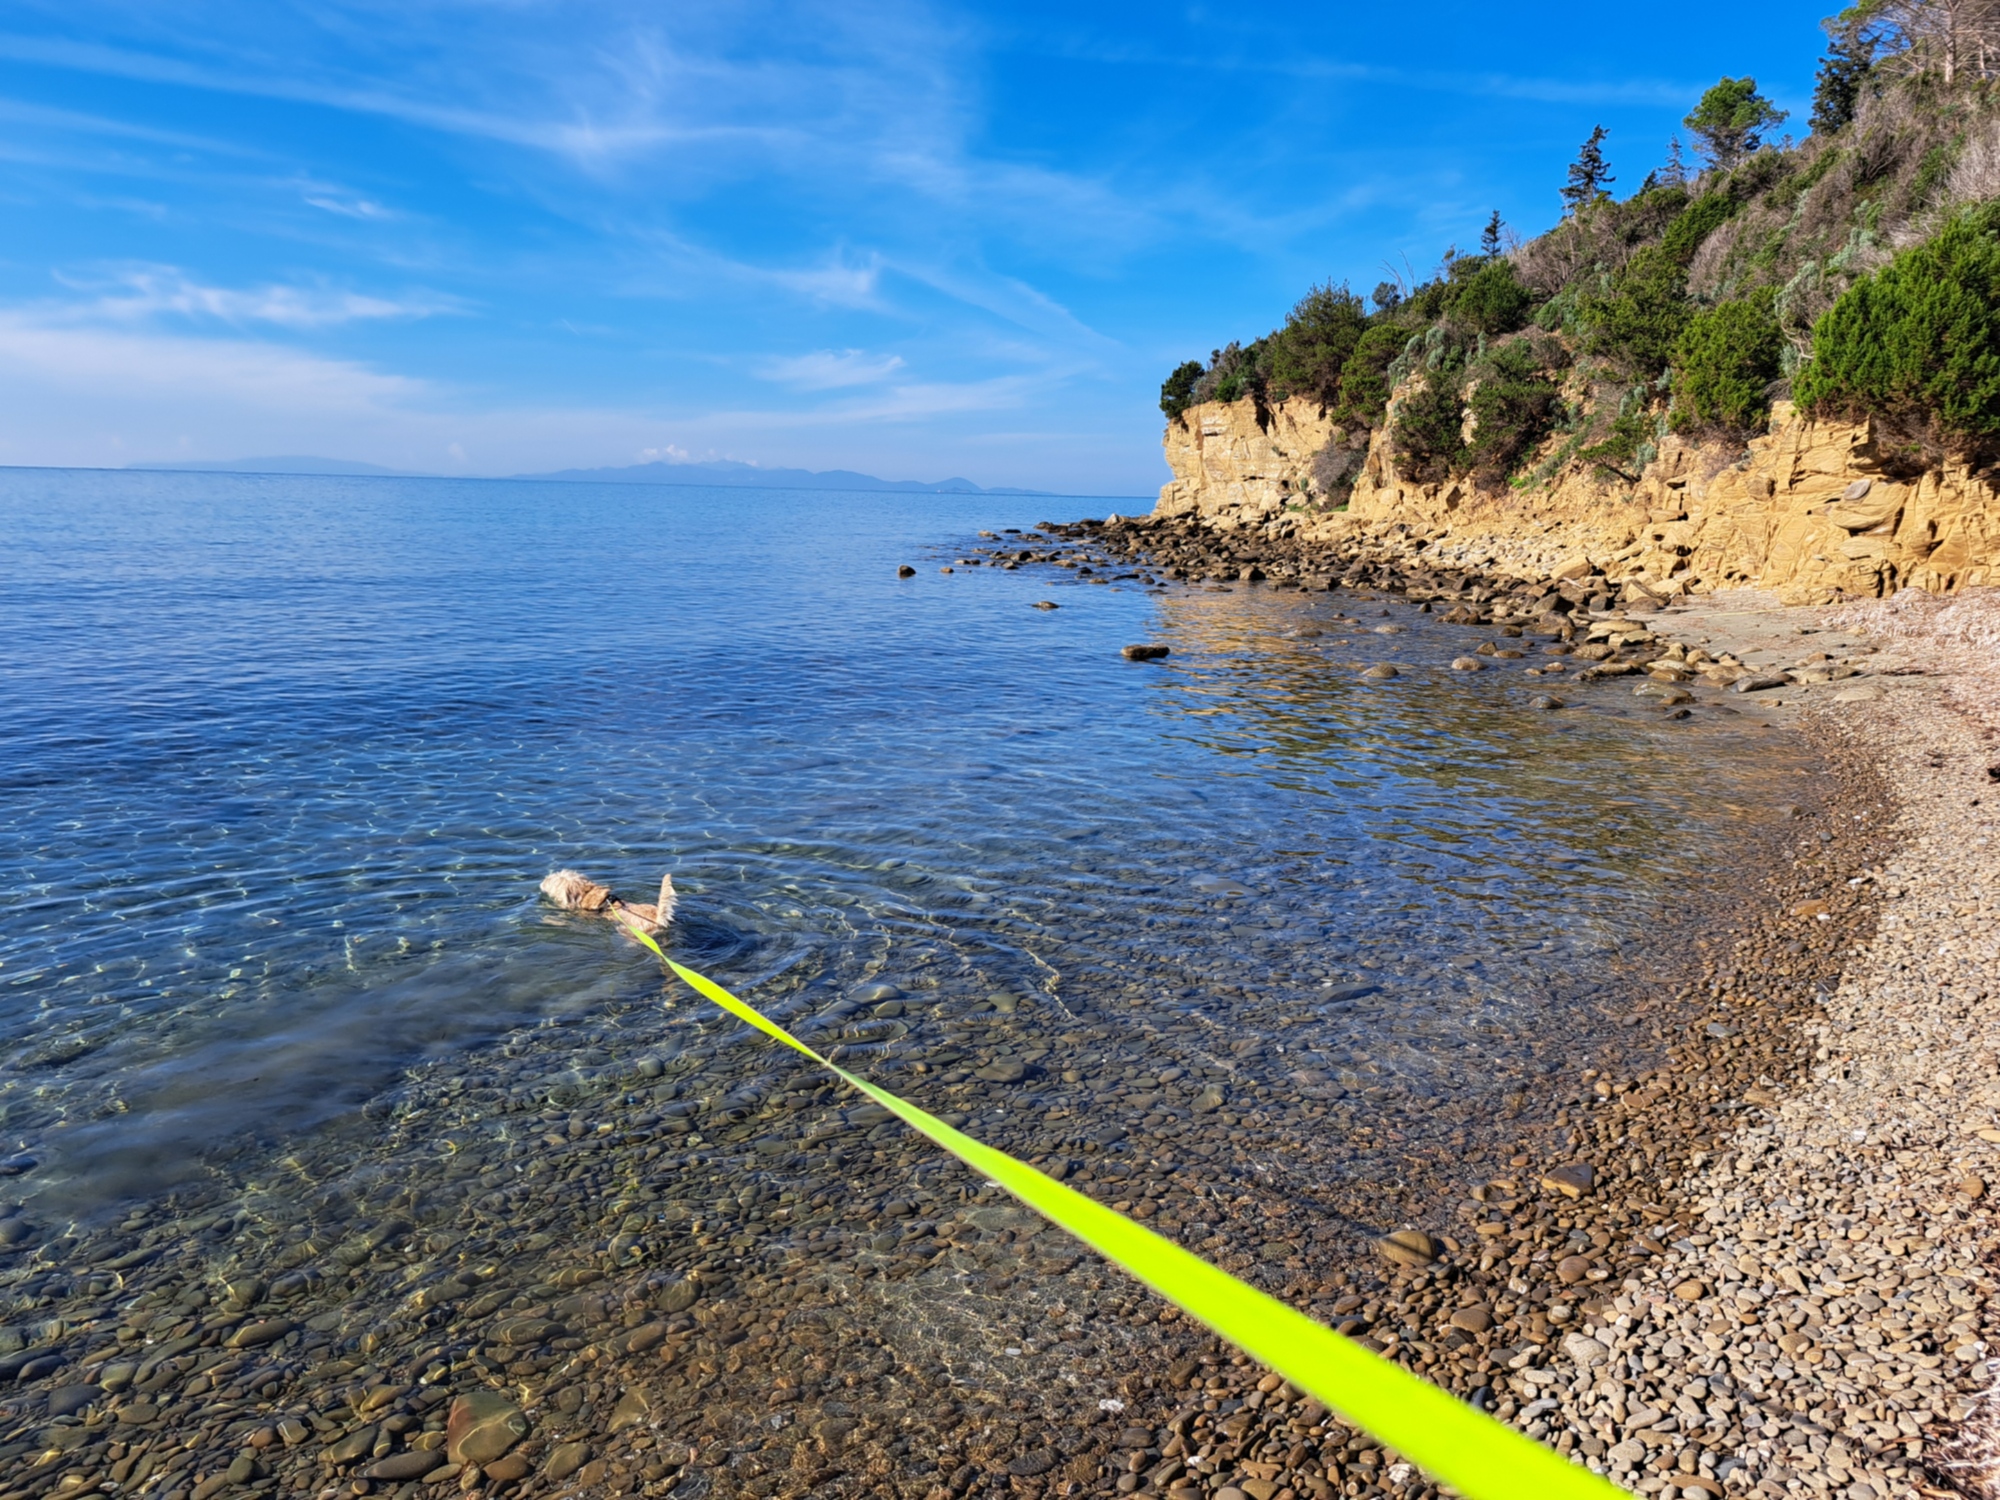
1815	511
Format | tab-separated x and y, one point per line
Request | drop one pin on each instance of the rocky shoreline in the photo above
1815	1295
630	1279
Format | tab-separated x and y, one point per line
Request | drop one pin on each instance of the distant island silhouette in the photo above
725	472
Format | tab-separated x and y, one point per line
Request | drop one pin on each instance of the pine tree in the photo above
1675	172
1489	237
1589	174
1730	120
1850	58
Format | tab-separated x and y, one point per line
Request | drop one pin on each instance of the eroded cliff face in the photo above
1228	466
1811	513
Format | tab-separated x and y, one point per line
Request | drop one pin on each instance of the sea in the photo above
284	759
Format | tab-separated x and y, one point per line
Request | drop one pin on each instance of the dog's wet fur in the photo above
573	891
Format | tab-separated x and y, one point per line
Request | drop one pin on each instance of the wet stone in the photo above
1408	1247
413	1464
67	1400
254	1335
524	1332
633	1408
679	1296
564	1460
481	1426
355	1445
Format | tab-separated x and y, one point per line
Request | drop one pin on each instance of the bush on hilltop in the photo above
1310	351
1857	272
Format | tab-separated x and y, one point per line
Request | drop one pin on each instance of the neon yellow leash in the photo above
1434	1429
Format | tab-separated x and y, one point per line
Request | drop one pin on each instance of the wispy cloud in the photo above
345	205
1247	45
828	369
237	373
839	281
131	293
77	122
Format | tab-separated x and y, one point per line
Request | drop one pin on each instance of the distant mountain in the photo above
726	472
750	476
294	464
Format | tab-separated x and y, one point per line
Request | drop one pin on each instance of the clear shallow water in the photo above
287	756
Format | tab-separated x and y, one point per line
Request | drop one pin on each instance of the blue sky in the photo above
493	236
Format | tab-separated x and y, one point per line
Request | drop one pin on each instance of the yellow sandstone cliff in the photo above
1809	513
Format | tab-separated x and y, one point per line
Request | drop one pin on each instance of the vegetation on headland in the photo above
1856	272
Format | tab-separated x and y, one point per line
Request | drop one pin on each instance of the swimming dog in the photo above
574	892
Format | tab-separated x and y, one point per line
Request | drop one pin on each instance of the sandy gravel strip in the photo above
1841	1283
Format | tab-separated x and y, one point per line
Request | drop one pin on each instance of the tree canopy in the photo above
1729	122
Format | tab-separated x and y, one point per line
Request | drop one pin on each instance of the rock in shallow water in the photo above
482	1426
411	1465
67	1400
1144	652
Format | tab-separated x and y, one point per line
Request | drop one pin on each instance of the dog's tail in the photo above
668	900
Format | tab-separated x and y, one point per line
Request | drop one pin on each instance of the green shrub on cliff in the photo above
1177	390
1308	354
1492	299
1364	379
1724	363
1626	447
1429	425
1636	321
1695	223
1234	371
1514	404
1918	345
